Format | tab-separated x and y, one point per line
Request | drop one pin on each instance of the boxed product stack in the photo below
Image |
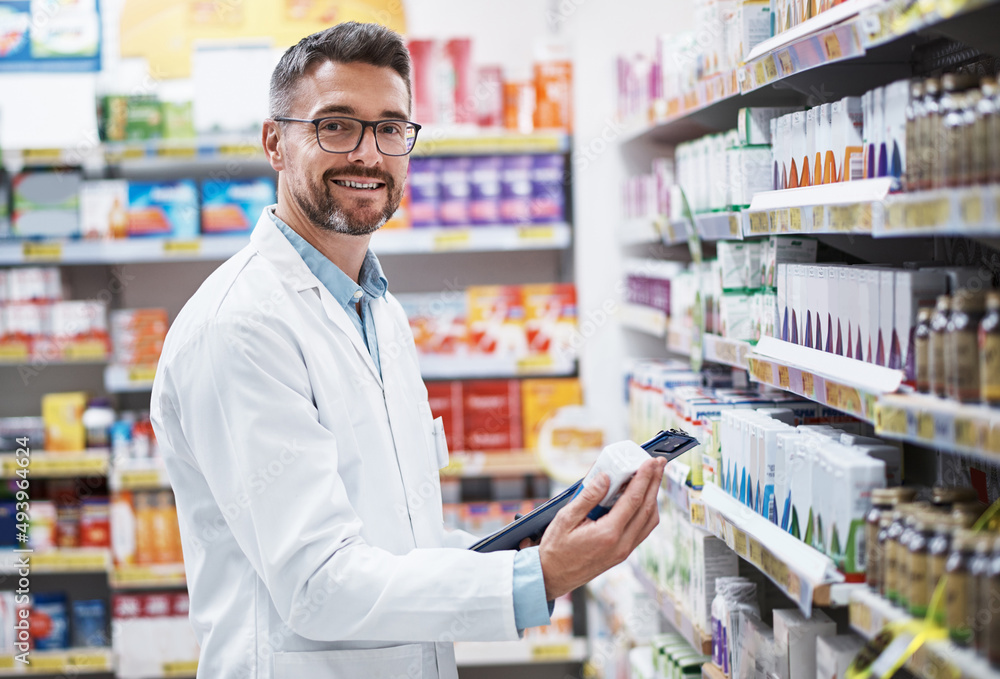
62	517
137	336
55	622
144	528
46	203
153	632
648	282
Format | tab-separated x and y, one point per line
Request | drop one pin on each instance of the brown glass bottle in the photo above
957	587
883	501
989	351
939	327
967	312
919	564
938	551
978	580
993	601
921	350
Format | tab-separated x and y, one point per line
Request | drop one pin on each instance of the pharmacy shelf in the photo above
139	474
853	47
969	211
121	379
57	465
68	663
17	354
733	353
680	339
495	238
806	576
674	614
726	225
62	560
641	231
869	613
844	207
712	671
644	319
968	429
498	463
844	384
444	367
122	251
438	141
152	576
520	652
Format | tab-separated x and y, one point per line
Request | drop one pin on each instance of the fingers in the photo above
577	510
632	500
647	515
526	542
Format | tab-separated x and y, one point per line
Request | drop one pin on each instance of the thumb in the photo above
577	510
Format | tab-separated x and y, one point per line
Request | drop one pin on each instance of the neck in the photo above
347	252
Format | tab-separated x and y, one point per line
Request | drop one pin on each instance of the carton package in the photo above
445	399
553	93
835	653
137	335
104	208
710	559
492	415
847	123
234	206
549	318
754	21
163	209
734	264
541	398
46	204
484	190
751	173
735	316
424	188
438	321
547	188
454	191
63	418
516	189
785	250
753	125
795	641
886	315
496	320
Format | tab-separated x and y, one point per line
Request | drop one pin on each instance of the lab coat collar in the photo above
272	245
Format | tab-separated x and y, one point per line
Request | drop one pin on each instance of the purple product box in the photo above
484	185
649	292
515	190
547	190
453	199
424	191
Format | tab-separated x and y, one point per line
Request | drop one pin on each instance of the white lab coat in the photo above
307	485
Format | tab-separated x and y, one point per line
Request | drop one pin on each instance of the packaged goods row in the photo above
499	414
158	624
144	528
483	518
518	189
497	320
54	622
65	513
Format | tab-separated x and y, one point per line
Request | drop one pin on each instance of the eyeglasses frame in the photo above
364	125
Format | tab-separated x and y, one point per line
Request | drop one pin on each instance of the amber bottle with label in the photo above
919	569
958	590
883	501
921	350
939	327
989	351
967	312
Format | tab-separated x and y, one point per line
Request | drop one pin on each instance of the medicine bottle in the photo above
919	564
983	145
957	587
894	553
966	159
904	581
939	326
989	351
920	371
937	555
946	497
914	111
993	597
978	606
967	312
883	501
927	133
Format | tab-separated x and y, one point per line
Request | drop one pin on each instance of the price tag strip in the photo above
843	397
926	420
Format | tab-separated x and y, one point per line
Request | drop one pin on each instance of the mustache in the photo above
366	172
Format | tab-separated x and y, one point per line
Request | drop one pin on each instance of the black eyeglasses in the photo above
340	134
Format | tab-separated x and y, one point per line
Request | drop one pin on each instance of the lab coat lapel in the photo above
273	246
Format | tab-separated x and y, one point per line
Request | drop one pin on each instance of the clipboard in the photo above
669	444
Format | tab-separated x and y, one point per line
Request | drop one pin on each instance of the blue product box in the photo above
163	209
234	206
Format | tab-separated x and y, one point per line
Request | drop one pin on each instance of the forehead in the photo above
371	92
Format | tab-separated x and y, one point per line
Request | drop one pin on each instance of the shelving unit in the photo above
521	652
70	662
498	238
122	251
494	463
58	465
151	576
443	367
62	560
674	614
939	423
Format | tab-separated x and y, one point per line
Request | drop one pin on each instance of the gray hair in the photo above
349	42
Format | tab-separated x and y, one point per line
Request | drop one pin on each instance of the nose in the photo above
367	152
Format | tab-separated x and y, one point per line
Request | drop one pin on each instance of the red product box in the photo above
446	402
492	415
156	606
124	606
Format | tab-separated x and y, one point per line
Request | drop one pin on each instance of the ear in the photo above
270	137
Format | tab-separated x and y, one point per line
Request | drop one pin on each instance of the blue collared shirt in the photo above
530	606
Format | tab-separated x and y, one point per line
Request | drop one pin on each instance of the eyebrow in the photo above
344	109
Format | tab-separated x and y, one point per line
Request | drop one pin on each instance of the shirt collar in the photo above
371	278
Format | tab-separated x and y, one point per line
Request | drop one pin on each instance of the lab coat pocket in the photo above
440	443
395	662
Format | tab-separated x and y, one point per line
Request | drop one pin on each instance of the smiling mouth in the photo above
368	186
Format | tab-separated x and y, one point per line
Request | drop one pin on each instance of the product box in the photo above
858	474
786	249
137	335
754	20
886	315
548	188
492	415
49	621
516	189
63	418
795	641
144	117
445	399
163	209
867	313
734	264
496	317
784	320
424	188
914	289
753	125
554	94
454	191
437	320
541	398
104	208
489	96
752	174
711	558
484	190
897	97
46	204
735	316
234	206
834	654
847	125
549	318
836	278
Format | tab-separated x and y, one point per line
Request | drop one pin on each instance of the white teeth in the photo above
356	185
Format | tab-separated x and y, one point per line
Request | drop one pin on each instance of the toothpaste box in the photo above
516	189
484	190
454	191
46	204
163	209
424	188
547	188
234	206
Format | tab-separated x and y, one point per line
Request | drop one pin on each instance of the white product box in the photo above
755	255
796	301
799	471
718	184
858	474
846	126
784	321
104	208
735	316
795	641
751	165
819	295
798	150
824	143
809	294
767	441
897	98
754	18
823	478
886	315
753	125
878	129
733	263
867	314
841	307
913	290
783	442
834	655
711	558
782	151
809	162
850	317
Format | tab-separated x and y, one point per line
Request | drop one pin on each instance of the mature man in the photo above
295	425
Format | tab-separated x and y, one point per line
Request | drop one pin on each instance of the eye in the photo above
391	128
332	126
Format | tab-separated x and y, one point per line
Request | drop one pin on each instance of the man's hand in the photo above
575	549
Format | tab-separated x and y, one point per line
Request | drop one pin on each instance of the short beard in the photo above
323	210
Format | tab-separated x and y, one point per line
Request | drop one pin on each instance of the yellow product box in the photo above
540	399
62	416
496	320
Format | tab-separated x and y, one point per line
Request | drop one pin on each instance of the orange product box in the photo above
549	317
437	321
541	398
496	320
62	416
491	415
446	402
518	106
554	95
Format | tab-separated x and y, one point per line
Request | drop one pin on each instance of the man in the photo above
295	425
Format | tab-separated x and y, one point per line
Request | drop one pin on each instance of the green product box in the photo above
112	117
145	118
178	119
